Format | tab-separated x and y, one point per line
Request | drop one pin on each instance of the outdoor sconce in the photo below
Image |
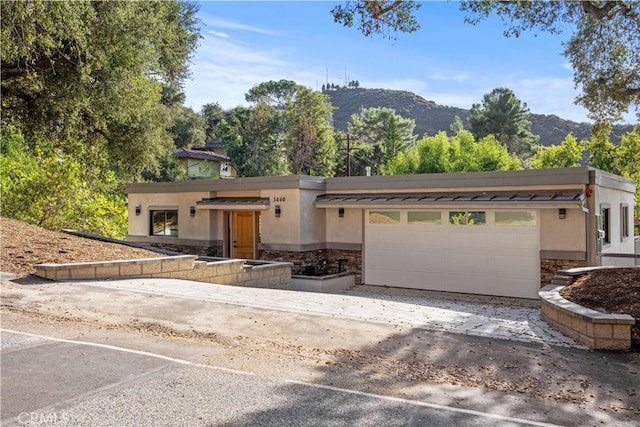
192	211
562	213
278	211
341	212
138	210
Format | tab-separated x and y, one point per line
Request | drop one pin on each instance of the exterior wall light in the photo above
138	210
278	211
192	211
341	212
562	213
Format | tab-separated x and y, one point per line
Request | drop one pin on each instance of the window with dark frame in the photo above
624	222
606	225
164	223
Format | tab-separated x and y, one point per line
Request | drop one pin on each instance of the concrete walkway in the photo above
501	318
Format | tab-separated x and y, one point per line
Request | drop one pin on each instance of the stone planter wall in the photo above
235	272
599	331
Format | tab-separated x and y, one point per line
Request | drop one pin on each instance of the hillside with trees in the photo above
431	118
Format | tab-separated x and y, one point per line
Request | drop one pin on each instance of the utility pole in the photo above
348	156
348	150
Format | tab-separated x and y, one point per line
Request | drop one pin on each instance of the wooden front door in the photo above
243	235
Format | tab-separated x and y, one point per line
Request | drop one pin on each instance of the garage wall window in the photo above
467	217
605	225
521	218
624	222
164	223
424	217
384	217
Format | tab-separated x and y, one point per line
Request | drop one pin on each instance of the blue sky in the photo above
446	61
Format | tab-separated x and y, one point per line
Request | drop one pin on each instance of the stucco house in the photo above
491	233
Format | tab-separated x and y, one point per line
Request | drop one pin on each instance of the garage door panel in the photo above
481	259
467	283
382	277
383	237
420	238
470	240
475	263
513	287
515	265
515	240
419	279
423	260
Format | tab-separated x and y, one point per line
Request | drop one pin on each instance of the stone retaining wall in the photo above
599	331
235	272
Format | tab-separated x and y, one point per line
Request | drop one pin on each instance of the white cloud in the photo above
214	21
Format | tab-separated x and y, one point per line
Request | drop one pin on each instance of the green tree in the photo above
566	155
459	153
309	140
188	128
49	189
602	152
213	114
89	74
603	48
385	131
503	115
252	141
385	17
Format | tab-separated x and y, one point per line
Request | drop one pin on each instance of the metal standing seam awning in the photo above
234	203
427	199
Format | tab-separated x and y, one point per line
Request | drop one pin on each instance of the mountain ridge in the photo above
431	117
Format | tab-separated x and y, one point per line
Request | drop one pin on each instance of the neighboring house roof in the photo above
185	153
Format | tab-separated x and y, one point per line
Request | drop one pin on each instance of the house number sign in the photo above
278	199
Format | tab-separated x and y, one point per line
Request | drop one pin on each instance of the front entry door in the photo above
243	235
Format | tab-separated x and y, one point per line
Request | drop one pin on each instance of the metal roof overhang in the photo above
426	200
234	203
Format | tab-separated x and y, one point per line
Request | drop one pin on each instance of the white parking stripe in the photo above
303	383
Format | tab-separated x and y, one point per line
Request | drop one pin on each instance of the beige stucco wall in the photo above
196	227
312	219
615	199
562	234
286	228
344	230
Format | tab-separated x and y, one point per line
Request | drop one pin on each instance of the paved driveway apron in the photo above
473	315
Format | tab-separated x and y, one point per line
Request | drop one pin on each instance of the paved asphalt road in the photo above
47	381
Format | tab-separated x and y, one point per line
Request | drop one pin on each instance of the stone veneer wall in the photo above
548	268
329	259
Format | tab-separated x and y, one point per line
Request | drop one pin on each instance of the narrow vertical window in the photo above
624	222
606	225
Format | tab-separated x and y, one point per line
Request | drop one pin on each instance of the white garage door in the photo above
490	252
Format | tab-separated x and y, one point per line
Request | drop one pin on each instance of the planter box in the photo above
329	283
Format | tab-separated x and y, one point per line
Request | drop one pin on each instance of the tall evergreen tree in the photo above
504	116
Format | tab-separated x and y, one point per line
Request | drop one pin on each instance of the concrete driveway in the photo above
492	317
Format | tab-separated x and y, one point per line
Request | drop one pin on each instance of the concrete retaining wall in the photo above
235	272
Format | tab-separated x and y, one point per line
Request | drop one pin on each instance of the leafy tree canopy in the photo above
566	155
503	115
387	132
86	75
385	17
604	46
459	153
